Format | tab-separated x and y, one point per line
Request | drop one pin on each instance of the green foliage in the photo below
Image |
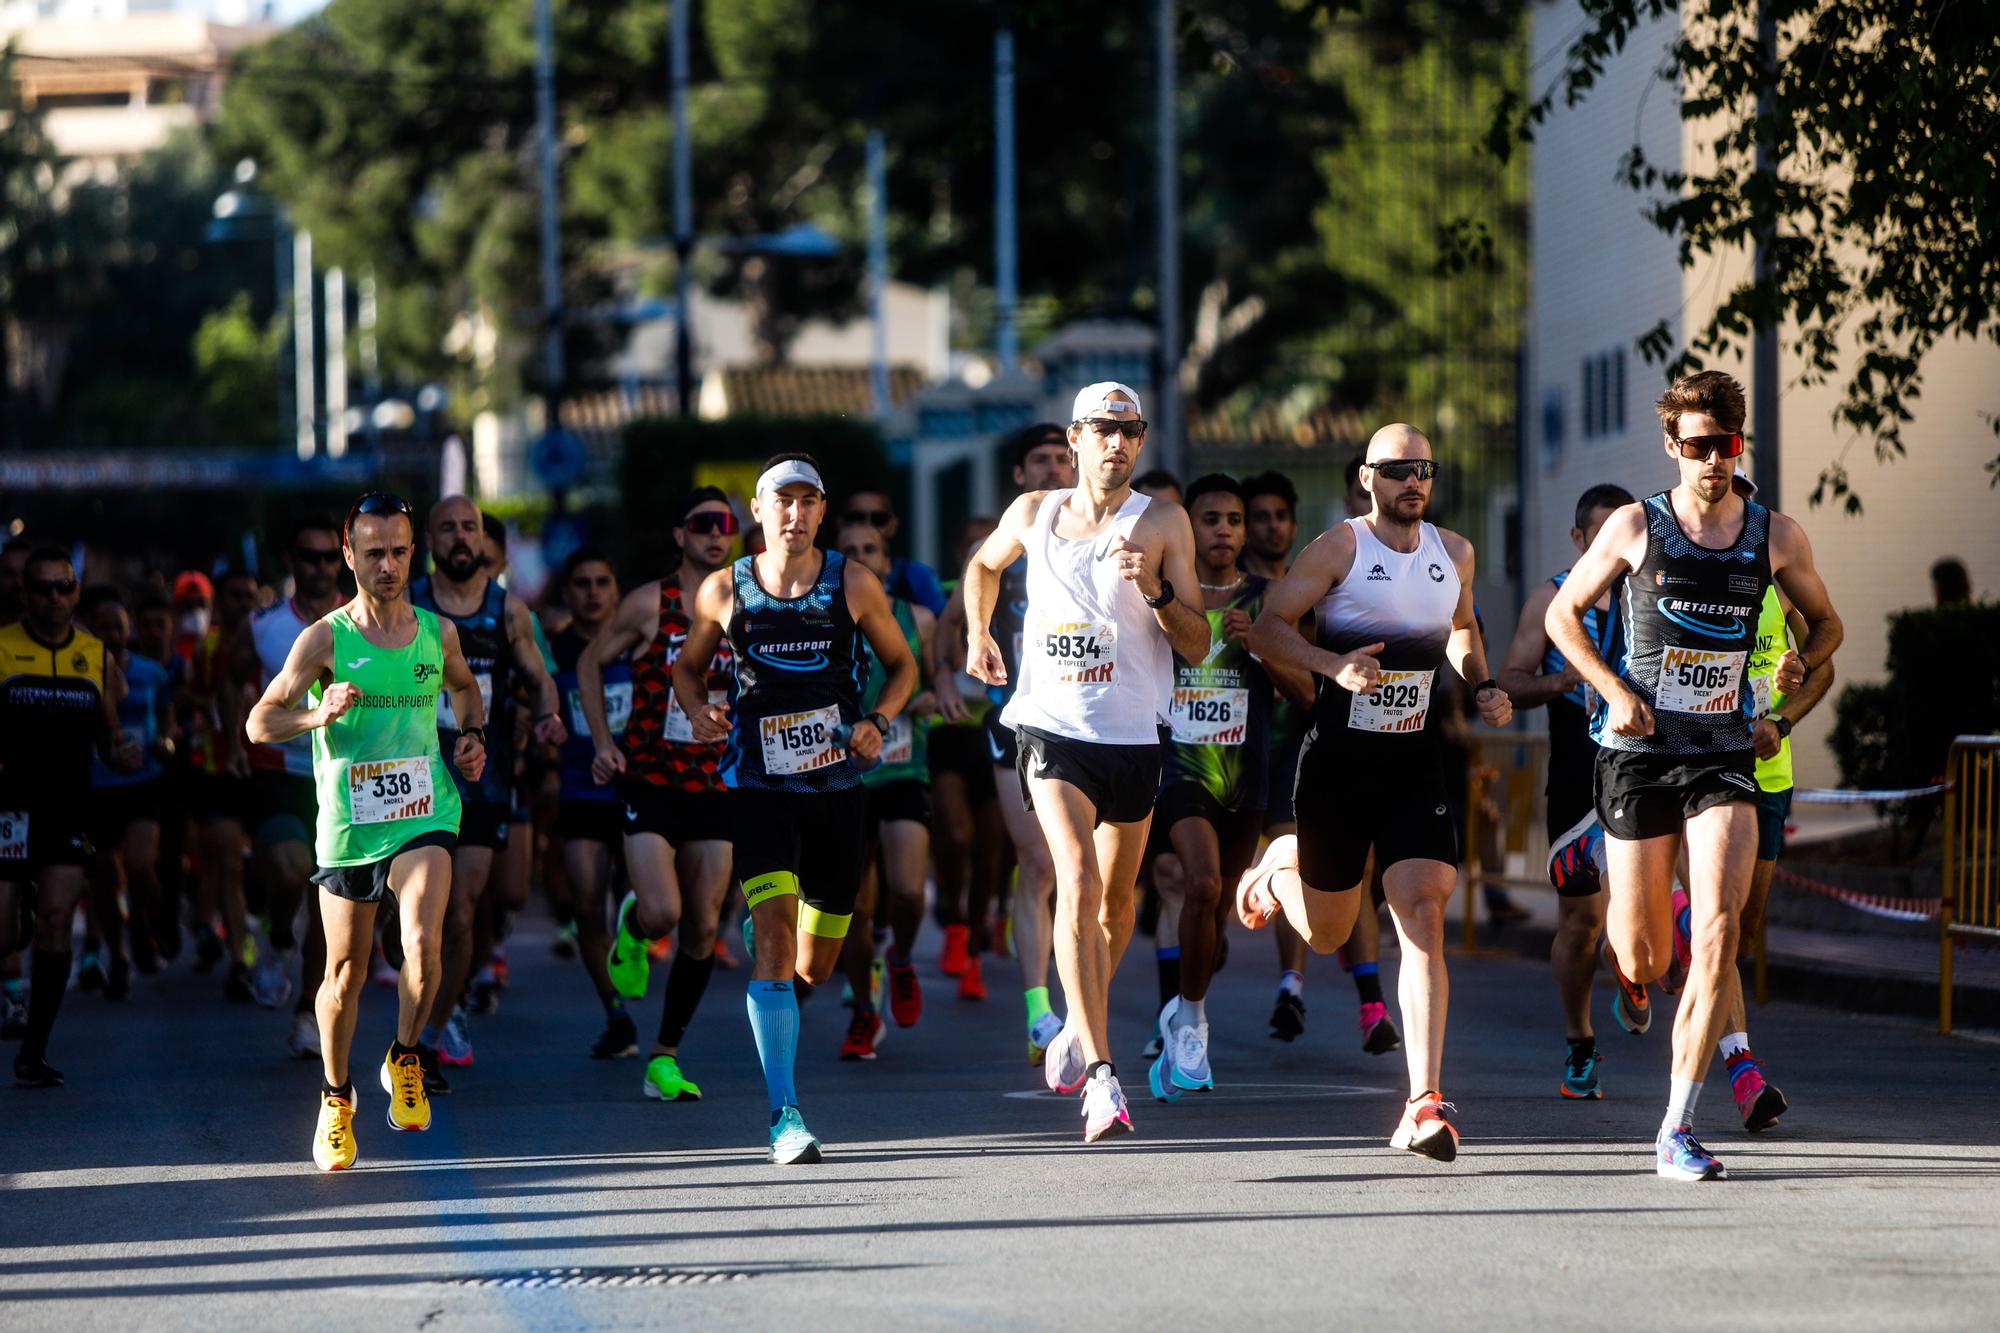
1879	187
238	363
1944	682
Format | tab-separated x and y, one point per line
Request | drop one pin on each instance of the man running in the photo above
284	780
911	580
497	632
1095	681
794	617
1392	597
677	801
1212	791
1677	759
59	697
387	818
1043	462
1535	674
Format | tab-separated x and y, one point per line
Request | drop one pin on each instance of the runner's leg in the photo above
705	876
1573	958
1082	937
349	928
466	880
1722	844
421	879
1417	891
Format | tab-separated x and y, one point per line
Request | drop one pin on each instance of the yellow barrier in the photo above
1971	904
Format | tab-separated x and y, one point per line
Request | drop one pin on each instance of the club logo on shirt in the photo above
808	655
358	663
1703	616
1665	580
1746	584
1379	575
78	662
1437	572
426	670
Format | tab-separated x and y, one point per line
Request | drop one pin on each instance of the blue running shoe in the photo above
1577	853
1680	1156
1579	1080
1159	1074
792	1144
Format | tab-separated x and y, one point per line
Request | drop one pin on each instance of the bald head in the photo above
1398	440
457	538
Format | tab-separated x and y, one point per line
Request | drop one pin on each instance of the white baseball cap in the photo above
785	473
1096	398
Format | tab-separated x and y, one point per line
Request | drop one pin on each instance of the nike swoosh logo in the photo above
359	662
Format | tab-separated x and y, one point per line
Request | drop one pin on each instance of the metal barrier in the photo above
1971	898
1508	771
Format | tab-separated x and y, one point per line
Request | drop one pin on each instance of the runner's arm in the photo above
926	701
274	718
549	729
948	631
1002	547
1521	671
120	750
629	627
1276	638
1183	622
468	755
1793	571
868	603
713	604
1619	549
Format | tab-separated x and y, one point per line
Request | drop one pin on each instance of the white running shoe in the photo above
1256	905
1063	1065
455	1043
303	1042
1104	1110
271	979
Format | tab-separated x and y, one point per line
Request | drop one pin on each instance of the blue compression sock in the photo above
774	1021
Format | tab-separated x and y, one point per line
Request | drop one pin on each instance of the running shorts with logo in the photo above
1690	616
1119	781
680	817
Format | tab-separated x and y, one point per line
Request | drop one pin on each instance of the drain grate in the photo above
635	1276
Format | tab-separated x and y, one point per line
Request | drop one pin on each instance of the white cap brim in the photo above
787	473
1096	398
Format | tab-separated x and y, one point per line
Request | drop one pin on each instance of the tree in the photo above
1881	183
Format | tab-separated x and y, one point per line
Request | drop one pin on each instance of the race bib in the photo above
380	790
617	709
801	742
1399	702
1697	680
448	720
1077	652
900	745
13	835
1200	715
678	726
1762	688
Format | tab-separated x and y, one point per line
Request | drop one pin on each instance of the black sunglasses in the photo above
306	555
376	503
50	587
1701	446
1402	469
1107	427
711	521
874	518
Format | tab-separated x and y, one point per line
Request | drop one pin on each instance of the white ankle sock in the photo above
1293	984
1685	1092
1191	1013
1733	1042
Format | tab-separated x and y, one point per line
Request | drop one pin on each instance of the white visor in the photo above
786	473
1096	398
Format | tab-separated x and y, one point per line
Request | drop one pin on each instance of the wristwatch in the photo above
1488	684
479	731
1783	724
881	723
1166	596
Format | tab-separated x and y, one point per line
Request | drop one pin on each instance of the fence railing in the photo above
1971	898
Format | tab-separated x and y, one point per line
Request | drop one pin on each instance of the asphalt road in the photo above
170	1184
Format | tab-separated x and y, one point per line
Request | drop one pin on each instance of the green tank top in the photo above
906	749
380	776
1775	773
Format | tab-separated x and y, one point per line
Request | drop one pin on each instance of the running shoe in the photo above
303	1041
435	1082
1183	1062
665	1082
1579	1078
878	971
1255	903
118	979
627	962
1426	1129
1063	1066
906	995
1577	853
1630	1007
1676	976
236	986
1378	1031
455	1042
661	949
1679	1156
36	1074
1758	1102
1104	1110
618	1041
271	980
497	961
13	1019
954	958
792	1144
1288	1019
863	1031
403	1080
1159	1074
1041	1035
89	971
333	1138
207	949
482	997
563	943
972	982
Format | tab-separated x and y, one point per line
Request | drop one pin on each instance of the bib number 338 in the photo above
384	789
800	742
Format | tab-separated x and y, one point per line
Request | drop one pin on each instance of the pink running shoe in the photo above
1378	1031
1104	1112
1758	1102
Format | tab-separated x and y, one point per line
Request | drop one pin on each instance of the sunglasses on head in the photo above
1108	427
874	518
377	503
711	521
1402	469
50	587
1701	446
307	555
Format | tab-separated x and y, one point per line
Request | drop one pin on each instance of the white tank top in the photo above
1094	663
274	630
1405	600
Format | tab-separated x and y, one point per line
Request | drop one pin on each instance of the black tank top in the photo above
798	681
1010	621
1690	627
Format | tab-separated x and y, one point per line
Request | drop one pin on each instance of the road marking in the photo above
1280	1090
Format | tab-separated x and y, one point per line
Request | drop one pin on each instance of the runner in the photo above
223	799
794	617
1535	674
284	781
387	821
1213	790
1095	681
59	698
498	635
1393	600
677	804
899	816
911	580
1676	729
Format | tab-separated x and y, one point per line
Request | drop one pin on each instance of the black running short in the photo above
1402	811
47	829
1236	831
809	843
906	799
366	883
681	817
1774	810
1281	777
484	824
1571	790
590	821
1003	744
1119	781
1643	795
962	750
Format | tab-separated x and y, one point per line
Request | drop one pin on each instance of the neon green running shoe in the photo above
627	963
666	1083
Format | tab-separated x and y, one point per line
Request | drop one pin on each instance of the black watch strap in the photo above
1783	724
1488	684
479	731
1166	596
881	723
